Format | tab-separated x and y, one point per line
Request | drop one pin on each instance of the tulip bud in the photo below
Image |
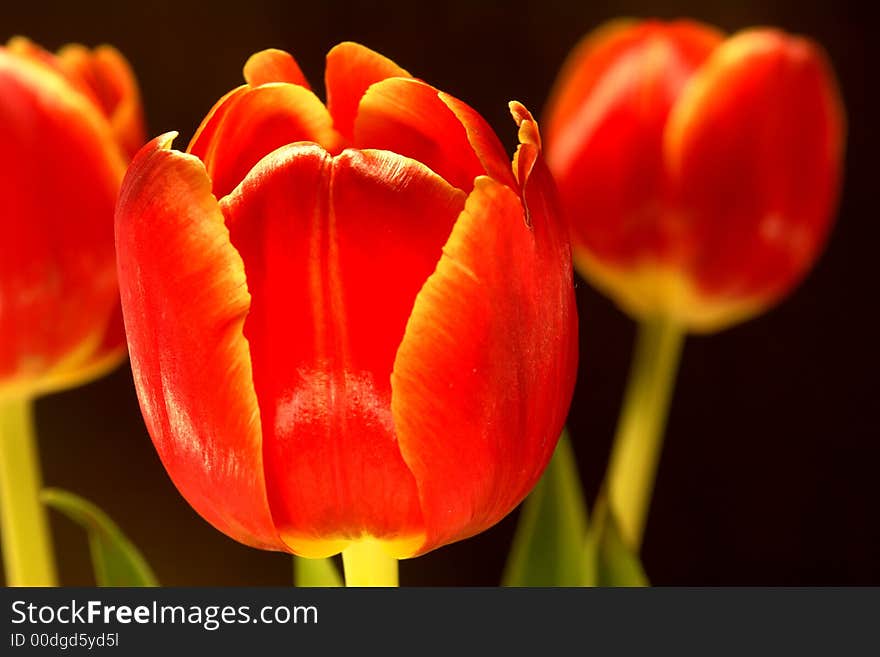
699	174
68	124
352	321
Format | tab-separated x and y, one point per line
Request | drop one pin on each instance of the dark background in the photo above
770	471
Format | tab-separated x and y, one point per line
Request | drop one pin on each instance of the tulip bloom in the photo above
352	321
699	173
68	125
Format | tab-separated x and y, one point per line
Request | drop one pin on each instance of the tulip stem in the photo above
637	445
27	545
366	564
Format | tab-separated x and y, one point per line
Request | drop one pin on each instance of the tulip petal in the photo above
335	251
484	375
58	187
104	77
109	78
185	299
24	47
754	147
273	65
412	118
605	136
596	54
351	69
87	364
203	137
250	123
483	140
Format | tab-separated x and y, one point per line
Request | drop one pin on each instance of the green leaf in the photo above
115	559
549	542
609	560
315	572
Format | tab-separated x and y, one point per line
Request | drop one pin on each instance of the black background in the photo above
770	472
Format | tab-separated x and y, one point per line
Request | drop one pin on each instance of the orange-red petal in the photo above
592	58
185	299
24	47
106	74
203	137
249	123
408	117
58	183
483	140
351	69
273	65
754	147
605	136
335	251
484	375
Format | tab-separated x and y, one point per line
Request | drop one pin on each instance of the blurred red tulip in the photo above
699	174
68	124
371	334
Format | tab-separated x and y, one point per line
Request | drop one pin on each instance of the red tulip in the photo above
371	334
68	123
699	174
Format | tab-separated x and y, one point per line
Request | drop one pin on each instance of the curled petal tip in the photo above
528	127
528	151
164	141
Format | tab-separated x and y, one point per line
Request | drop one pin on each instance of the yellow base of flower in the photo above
367	561
650	290
75	369
316	548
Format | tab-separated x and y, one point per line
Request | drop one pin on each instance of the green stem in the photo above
27	546
315	572
366	564
639	440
